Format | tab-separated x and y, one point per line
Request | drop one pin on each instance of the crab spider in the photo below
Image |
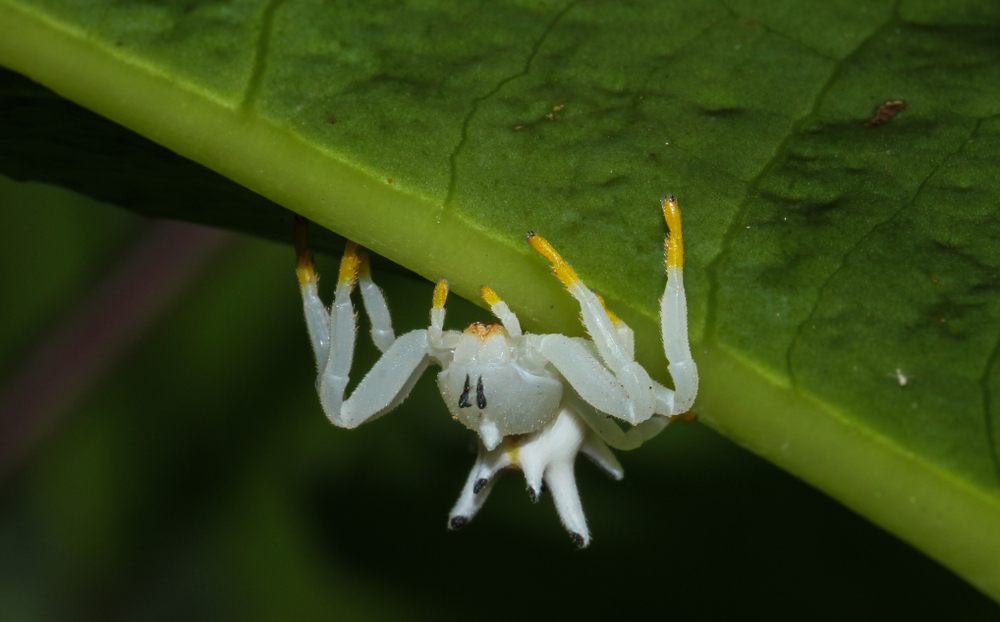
536	401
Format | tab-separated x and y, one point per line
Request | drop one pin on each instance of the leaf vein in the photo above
777	156
991	442
777	33
525	69
800	328
260	54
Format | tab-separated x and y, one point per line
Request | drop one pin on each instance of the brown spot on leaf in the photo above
885	112
332	120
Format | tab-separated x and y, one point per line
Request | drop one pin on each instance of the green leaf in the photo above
842	278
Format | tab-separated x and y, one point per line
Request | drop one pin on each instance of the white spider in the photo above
535	400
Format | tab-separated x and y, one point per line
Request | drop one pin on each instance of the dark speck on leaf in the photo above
331	119
885	112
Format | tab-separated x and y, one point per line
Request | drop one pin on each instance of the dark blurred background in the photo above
164	457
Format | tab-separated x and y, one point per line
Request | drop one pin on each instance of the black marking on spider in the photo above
480	395
463	400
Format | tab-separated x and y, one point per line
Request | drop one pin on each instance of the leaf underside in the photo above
842	267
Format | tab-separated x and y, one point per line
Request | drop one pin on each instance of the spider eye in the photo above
480	395
463	400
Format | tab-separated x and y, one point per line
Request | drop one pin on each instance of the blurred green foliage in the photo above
200	480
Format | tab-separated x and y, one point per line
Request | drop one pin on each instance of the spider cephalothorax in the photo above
535	400
495	388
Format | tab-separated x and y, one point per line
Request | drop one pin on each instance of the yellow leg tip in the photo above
489	295
674	244
440	293
349	263
563	271
305	269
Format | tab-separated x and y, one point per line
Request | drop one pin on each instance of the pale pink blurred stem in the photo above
94	333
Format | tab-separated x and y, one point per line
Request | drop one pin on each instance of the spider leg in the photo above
561	481
610	433
601	455
560	478
375	304
534	472
386	385
332	335
477	488
585	373
551	454
317	315
613	345
501	310
436	335
613	340
492	462
673	320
